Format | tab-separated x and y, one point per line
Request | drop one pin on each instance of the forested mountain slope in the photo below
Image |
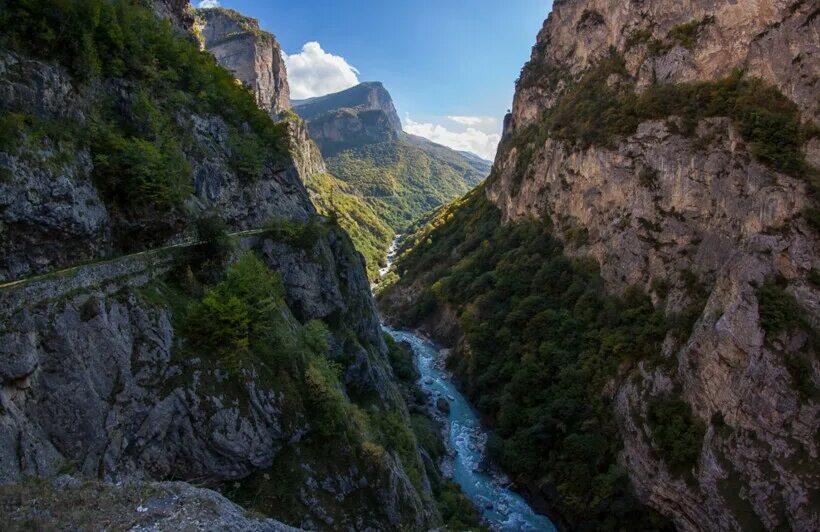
664	153
171	305
400	176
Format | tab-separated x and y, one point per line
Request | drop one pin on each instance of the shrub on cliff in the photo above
240	318
299	234
457	511
247	155
676	432
325	397
133	173
779	310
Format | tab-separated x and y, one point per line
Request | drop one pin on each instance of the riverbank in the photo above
466	440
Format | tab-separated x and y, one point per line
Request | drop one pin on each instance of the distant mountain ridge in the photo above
477	160
383	179
367	96
401	176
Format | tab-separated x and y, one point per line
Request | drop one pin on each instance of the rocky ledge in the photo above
136	506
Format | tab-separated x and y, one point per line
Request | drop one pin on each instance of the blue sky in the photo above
438	58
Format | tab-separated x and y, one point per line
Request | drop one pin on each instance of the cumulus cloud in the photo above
470	139
472	120
205	4
314	72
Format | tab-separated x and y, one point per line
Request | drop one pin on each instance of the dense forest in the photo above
544	339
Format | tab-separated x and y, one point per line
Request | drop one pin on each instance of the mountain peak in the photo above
366	96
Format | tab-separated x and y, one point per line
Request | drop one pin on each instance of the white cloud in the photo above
314	72
472	120
205	4
471	139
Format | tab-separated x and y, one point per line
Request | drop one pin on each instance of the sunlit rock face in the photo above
699	222
252	54
361	115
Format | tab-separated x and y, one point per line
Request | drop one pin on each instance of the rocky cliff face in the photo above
179	12
693	216
97	374
252	54
57	214
772	40
93	378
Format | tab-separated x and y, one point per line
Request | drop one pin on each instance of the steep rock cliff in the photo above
59	214
101	373
254	57
684	41
692	215
97	379
252	54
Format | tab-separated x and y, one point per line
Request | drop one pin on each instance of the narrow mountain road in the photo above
147	252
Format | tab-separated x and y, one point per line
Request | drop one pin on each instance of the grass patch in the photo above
35	504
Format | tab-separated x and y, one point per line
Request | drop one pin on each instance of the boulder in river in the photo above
443	406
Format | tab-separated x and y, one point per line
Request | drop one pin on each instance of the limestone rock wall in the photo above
252	54
698	223
772	39
90	376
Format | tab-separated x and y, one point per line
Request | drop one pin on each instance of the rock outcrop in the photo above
145	506
700	223
364	114
179	12
251	53
309	160
368	96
